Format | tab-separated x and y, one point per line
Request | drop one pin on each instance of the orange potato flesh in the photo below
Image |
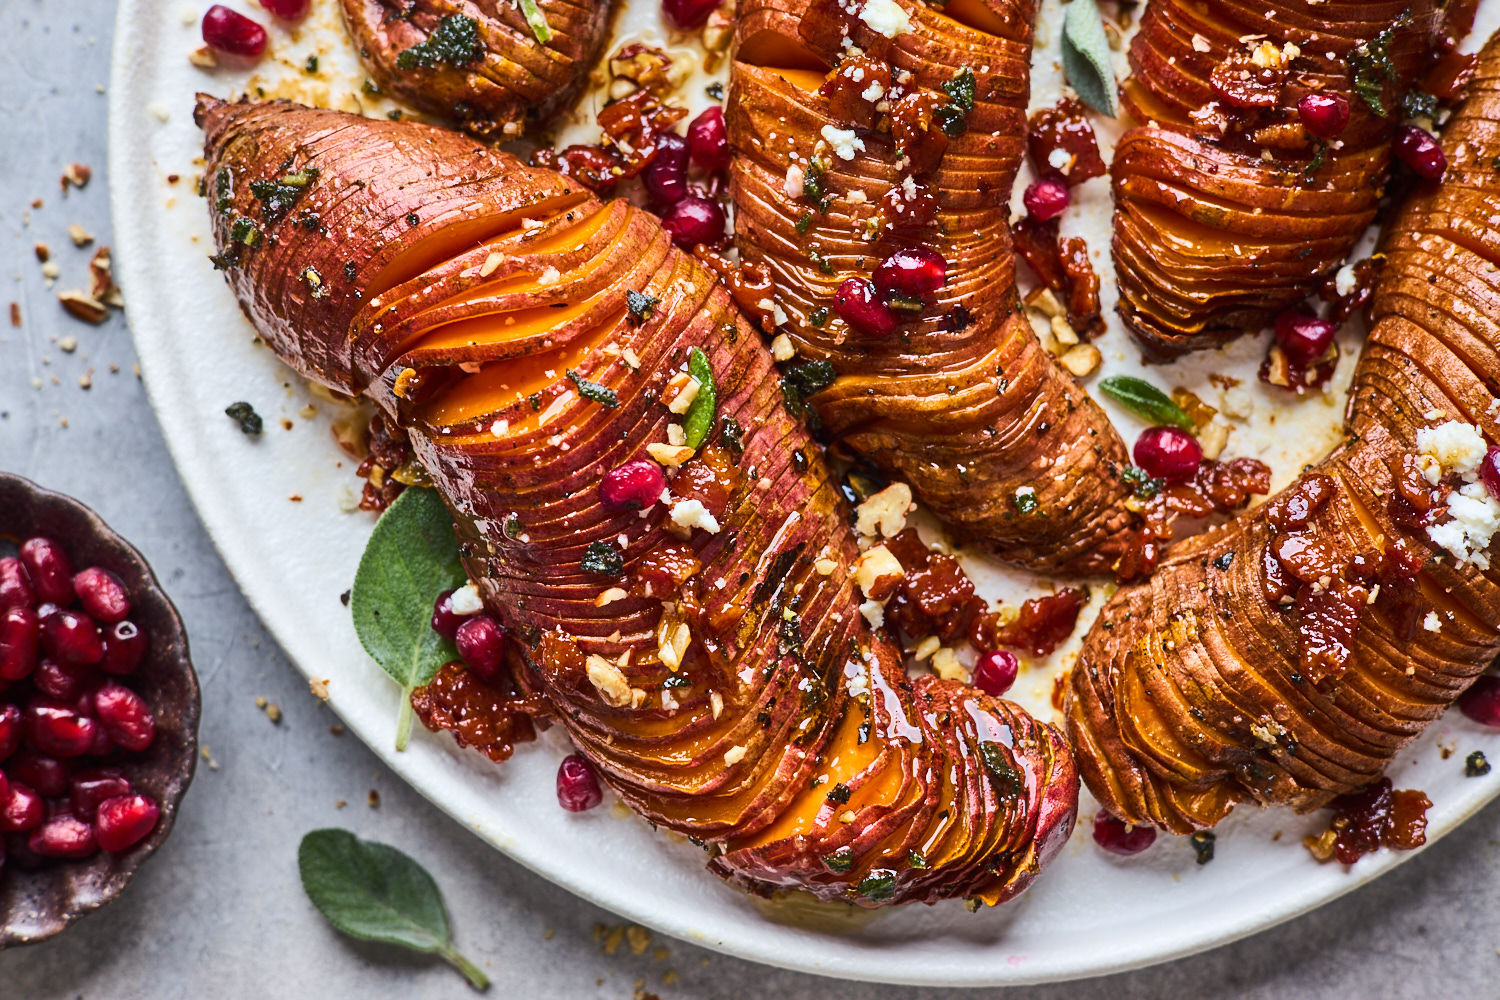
974	14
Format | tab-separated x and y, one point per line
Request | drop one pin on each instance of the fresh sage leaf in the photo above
374	892
699	419
601	394
1085	57
412	556
537	20
1145	401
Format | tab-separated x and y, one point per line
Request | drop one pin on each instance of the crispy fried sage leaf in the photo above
454	41
374	892
411	557
1085	57
1145	401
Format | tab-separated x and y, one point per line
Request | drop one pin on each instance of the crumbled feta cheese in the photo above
857	197
844	141
465	600
1200	44
1457	447
1432	622
734	755
692	514
873	92
874	613
1345	281
1060	159
549	277
1474	520
796	179
500	428
886	17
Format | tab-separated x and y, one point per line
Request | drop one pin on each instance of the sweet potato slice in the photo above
523	333
1207	684
1227	215
480	64
962	403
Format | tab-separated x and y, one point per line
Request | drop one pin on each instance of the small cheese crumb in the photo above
886	17
1457	447
1432	622
692	514
782	349
795	182
734	755
1200	44
465	600
500	428
549	277
1345	281
874	613
844	141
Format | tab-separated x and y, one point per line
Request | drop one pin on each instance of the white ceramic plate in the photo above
1090	914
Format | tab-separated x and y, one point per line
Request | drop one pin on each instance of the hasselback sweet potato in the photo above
914	143
1289	655
712	662
480	63
1227	209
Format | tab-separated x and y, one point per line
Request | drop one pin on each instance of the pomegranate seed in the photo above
1304	338
124	648
1116	837
125	821
233	33
47	775
22	809
102	746
59	731
64	836
635	485
1168	453
93	786
1324	115
912	273
125	716
862	309
1046	199
50	570
481	642
1489	471
55	680
1482	701
15	585
577	786
694	220
708	140
4	788
102	595
445	621
996	672
287	10
71	638
665	176
688	14
10	730
20	634
1421	152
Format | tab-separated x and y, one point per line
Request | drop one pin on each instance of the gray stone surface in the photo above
219	913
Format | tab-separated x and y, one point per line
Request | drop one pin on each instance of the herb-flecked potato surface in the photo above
723	679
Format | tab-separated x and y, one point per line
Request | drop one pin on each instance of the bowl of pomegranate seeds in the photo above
99	712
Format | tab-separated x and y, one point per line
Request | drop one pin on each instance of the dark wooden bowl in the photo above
35	905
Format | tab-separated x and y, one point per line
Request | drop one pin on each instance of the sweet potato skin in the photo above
1212	239
966	412
778	641
1189	693
515	83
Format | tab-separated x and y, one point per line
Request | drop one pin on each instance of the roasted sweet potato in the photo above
716	667
914	141
480	64
1289	655
1227	209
